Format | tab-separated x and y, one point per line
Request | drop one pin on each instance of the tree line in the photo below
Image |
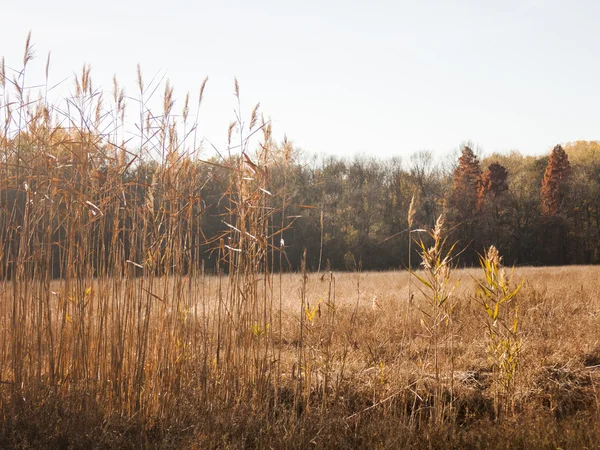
537	210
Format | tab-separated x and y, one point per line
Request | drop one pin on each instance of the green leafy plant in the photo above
497	296
436	313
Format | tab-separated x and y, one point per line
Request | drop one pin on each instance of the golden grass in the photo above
558	376
113	336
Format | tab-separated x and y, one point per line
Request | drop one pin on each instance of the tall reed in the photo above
103	254
436	316
497	296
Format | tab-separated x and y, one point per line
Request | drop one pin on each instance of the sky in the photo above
384	78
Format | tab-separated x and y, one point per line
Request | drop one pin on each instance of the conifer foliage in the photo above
555	185
466	183
494	181
464	199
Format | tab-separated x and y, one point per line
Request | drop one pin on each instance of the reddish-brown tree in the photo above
493	182
555	185
463	201
493	205
466	184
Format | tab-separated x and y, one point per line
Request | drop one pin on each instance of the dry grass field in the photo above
366	379
112	334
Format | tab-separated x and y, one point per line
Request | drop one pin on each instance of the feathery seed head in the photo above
254	116
168	100
28	55
493	256
411	211
48	66
186	107
140	81
230	132
439	225
115	89
201	95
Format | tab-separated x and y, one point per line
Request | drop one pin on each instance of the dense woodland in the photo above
538	210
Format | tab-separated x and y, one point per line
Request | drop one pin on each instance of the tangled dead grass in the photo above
367	381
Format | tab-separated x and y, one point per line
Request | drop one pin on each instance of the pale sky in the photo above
343	77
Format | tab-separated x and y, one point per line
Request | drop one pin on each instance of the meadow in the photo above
125	324
359	373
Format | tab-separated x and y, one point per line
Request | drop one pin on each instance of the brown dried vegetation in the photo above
112	334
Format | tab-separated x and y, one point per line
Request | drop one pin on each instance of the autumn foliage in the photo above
494	181
466	183
148	297
555	184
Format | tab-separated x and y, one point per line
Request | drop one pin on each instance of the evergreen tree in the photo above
493	181
555	185
493	207
463	201
554	195
466	182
